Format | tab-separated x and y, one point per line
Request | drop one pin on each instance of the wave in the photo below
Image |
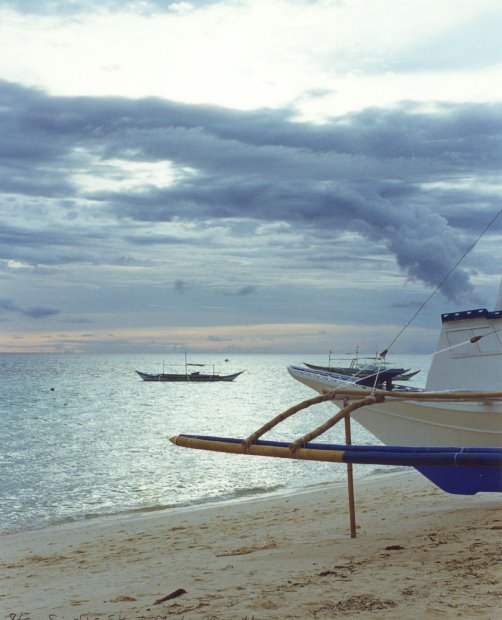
240	494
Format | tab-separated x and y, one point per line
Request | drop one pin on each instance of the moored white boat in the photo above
462	401
363	367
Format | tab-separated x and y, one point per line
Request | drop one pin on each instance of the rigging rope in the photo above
471	340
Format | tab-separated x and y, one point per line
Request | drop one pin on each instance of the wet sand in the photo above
419	553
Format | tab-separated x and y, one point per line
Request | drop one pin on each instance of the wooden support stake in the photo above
350	481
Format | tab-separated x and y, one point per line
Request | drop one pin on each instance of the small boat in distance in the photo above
191	376
188	376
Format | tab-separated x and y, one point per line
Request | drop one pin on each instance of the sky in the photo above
246	176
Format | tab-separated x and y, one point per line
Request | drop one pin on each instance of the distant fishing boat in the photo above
188	376
192	376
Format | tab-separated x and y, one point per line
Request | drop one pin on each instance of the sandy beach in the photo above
419	553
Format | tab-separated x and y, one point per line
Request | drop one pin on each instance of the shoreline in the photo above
419	552
202	504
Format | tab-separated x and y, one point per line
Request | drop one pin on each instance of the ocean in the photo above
83	437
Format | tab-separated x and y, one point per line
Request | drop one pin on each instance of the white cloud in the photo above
254	54
123	175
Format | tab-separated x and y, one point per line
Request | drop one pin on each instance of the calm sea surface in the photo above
83	437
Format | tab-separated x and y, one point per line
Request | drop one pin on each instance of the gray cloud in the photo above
180	286
73	7
218	339
40	312
243	291
246	290
36	312
388	175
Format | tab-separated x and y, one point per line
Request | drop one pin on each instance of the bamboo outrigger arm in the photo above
384	455
201	443
340	393
369	400
375	396
347	410
295	449
286	414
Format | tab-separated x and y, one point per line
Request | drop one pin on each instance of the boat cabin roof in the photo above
471	314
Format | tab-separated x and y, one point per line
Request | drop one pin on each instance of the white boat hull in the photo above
413	423
468	360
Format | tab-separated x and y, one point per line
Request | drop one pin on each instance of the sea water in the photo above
83	437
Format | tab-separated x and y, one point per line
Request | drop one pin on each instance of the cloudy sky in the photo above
246	175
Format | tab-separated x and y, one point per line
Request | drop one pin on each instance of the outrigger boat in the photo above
192	376
365	370
189	376
360	369
461	404
451	431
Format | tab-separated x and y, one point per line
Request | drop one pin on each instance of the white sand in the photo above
419	553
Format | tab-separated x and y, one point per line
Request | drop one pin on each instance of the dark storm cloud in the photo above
387	174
